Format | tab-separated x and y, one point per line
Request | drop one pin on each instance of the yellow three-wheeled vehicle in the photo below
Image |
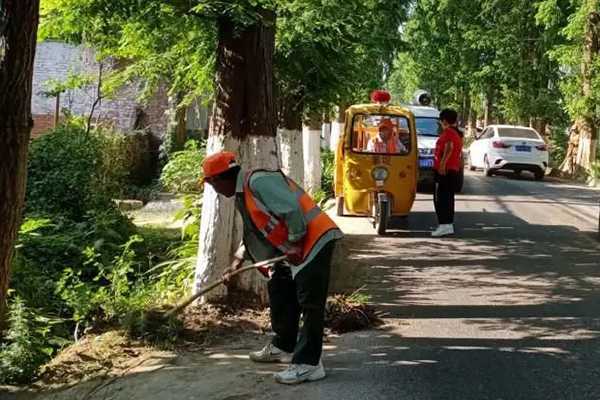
376	162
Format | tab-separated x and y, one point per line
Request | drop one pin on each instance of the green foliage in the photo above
326	192
29	343
594	175
569	18
354	44
88	273
327	170
54	87
62	170
162	41
72	172
183	172
174	277
56	244
559	140
465	52
109	296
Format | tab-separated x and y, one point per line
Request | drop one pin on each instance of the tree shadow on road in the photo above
534	290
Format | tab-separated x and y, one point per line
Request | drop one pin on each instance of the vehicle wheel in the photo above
382	217
340	206
470	163
539	175
460	181
488	171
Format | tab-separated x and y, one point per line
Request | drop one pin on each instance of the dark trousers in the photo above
443	197
305	295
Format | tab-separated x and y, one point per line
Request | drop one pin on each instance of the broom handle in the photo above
177	309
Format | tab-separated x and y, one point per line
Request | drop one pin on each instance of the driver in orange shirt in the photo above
385	142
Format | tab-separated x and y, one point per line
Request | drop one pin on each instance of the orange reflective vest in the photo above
275	230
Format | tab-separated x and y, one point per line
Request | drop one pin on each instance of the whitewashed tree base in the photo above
312	159
292	155
326	136
587	149
337	129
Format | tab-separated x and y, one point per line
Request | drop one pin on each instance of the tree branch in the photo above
98	99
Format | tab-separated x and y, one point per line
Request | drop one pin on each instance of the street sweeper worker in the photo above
280	218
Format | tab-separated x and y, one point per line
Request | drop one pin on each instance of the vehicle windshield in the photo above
380	134
519	133
427	126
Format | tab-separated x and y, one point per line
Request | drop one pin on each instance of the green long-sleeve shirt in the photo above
273	191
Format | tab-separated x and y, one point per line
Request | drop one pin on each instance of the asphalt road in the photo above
507	309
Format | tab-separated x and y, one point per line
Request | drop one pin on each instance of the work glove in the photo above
295	255
265	271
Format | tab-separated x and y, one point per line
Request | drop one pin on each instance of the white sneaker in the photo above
443	230
298	373
269	354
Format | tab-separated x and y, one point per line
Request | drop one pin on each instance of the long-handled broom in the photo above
155	319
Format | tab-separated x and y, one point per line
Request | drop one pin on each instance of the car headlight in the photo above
380	173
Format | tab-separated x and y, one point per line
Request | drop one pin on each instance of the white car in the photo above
507	147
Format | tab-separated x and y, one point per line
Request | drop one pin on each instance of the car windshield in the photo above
520	133
380	134
427	126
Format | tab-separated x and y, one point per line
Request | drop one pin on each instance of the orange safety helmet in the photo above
386	123
218	163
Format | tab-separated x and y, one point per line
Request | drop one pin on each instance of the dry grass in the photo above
350	312
93	356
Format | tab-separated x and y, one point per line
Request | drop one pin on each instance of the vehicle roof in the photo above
422	111
510	126
378	108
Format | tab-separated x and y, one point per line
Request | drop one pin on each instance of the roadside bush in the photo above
127	168
173	277
69	277
47	245
62	173
72	172
183	171
29	344
327	168
559	141
594	175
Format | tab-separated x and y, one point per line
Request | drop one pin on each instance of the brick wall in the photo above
56	60
42	123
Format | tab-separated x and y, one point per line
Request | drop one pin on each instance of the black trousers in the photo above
443	197
304	296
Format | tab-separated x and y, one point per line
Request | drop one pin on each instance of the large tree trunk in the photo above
289	136
18	30
489	105
243	121
583	140
311	137
177	124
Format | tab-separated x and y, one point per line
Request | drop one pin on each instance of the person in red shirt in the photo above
447	164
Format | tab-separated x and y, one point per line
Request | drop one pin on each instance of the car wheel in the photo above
539	175
340	206
382	217
487	169
470	163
